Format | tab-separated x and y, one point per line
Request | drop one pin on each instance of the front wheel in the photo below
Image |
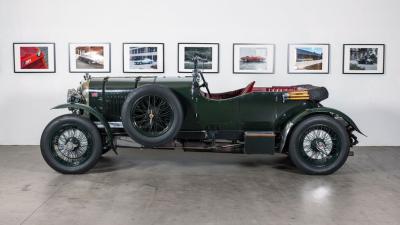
71	144
319	145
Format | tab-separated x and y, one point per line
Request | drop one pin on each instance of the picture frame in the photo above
308	58
143	57
89	57
207	51
253	58
363	58
34	57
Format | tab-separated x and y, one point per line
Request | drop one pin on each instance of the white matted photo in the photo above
308	58
34	58
89	58
209	52
363	58
253	58
143	57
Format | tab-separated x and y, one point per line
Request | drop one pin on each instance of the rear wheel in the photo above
319	145
71	144
152	115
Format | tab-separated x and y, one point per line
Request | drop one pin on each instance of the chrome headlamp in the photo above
79	95
84	90
74	96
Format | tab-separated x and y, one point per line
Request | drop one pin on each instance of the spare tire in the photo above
152	115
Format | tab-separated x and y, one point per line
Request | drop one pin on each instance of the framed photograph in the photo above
207	51
34	58
89	58
253	58
308	58
363	58
143	57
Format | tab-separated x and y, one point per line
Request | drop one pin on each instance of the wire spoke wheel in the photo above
71	146
319	145
151	115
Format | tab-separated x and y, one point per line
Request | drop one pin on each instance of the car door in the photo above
257	111
218	114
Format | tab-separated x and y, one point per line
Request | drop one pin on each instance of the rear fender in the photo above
96	114
336	114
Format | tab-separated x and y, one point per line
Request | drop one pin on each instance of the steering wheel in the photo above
204	84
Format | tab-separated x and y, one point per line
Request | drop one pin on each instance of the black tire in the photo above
137	119
86	144
319	145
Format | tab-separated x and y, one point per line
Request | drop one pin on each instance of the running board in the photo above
112	124
216	147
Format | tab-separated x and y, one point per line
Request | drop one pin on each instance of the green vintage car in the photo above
181	112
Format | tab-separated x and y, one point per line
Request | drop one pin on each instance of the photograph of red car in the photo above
34	57
253	58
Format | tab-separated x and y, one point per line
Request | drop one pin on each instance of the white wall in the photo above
371	100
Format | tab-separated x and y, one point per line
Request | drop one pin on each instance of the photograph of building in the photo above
143	57
309	58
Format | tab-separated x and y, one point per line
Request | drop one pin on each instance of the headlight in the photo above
79	95
84	90
73	96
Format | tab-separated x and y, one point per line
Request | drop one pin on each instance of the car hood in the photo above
137	81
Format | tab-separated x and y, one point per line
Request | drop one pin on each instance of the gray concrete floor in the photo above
172	187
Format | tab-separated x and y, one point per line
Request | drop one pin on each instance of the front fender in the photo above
313	111
96	114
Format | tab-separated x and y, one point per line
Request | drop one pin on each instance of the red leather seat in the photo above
248	88
232	94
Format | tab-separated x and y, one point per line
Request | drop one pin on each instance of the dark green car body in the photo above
204	117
